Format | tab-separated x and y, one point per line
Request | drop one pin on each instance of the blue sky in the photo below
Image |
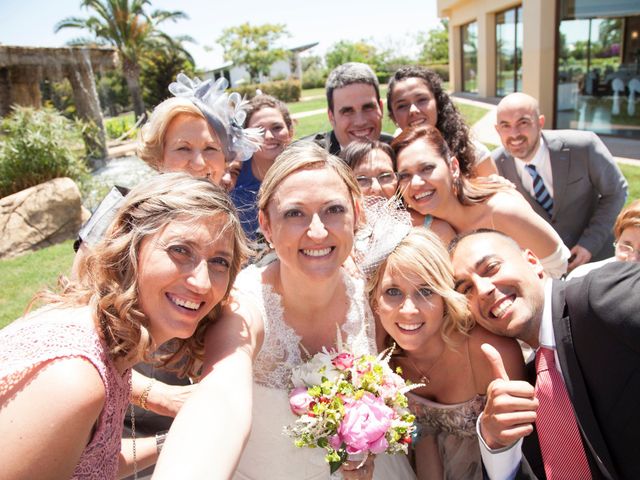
386	23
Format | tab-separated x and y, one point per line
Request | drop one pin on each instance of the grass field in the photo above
22	277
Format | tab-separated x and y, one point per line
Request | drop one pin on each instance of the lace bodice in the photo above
280	350
52	333
459	419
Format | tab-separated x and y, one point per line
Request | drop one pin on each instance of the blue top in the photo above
244	197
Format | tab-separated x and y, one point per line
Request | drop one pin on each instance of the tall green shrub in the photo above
39	145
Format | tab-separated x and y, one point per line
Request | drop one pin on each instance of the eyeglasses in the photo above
386	178
626	251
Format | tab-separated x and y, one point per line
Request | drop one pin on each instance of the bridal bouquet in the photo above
350	406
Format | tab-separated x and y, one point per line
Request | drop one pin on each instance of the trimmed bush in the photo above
314	78
39	145
441	69
286	90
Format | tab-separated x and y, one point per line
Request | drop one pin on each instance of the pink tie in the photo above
560	441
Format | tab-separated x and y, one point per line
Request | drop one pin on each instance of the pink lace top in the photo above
52	333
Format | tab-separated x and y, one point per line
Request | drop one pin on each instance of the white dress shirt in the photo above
542	161
503	463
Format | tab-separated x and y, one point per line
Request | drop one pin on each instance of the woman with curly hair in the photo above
413	294
163	268
415	97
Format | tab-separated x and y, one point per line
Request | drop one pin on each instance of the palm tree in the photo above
125	25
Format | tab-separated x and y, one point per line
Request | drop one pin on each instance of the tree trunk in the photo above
131	72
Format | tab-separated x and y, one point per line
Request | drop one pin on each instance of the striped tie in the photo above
540	191
560	443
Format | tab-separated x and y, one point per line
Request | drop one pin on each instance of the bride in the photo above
309	206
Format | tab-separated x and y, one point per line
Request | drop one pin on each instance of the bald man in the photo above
591	326
574	183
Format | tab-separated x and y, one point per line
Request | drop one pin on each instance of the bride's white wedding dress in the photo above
269	453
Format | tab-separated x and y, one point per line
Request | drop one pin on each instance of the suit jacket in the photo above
589	189
596	323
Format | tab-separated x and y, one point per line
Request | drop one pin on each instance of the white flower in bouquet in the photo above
312	372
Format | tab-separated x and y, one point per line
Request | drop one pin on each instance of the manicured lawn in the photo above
632	174
308	105
22	277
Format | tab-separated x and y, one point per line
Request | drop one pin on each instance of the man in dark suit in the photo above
593	326
354	108
572	168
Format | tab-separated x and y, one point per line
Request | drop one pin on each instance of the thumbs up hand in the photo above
511	405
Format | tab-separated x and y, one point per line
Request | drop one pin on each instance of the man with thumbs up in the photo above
582	418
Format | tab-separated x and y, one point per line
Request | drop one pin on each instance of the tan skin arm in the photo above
486	167
195	434
512	215
47	420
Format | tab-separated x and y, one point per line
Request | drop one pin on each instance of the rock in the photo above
39	216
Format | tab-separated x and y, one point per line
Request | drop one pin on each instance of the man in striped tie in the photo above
568	176
579	418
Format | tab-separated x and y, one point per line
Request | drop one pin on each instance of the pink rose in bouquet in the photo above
343	361
299	400
364	425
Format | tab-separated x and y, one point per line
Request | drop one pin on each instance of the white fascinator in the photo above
225	113
387	222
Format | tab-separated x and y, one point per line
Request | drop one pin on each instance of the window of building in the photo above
599	68
469	42
509	51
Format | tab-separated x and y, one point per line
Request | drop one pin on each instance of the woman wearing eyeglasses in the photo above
374	163
626	231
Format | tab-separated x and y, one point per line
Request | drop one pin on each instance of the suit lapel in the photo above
574	381
560	158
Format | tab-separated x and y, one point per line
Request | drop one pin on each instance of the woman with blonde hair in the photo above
412	293
309	210
431	184
160	273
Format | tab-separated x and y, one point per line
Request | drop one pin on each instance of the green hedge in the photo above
286	90
40	145
441	69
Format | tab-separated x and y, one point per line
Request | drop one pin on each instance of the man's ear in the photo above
265	228
541	121
332	120
381	105
532	260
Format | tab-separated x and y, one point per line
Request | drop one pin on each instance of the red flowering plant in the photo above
350	406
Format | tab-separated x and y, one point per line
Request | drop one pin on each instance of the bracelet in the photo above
160	438
145	394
